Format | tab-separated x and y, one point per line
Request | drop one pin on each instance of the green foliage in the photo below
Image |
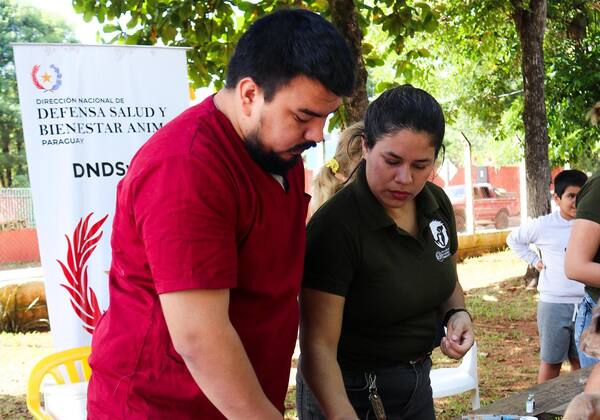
213	28
388	28
18	24
472	68
475	54
573	86
467	53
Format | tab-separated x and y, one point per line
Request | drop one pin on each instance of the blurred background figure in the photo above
558	295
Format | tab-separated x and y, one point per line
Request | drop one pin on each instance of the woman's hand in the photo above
459	337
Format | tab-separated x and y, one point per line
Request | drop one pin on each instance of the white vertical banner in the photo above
86	110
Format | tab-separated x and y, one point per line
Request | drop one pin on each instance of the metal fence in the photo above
16	209
18	234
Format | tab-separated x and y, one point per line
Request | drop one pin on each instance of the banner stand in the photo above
86	110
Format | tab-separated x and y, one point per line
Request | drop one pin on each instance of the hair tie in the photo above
333	165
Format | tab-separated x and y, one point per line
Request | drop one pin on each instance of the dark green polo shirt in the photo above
588	208
393	282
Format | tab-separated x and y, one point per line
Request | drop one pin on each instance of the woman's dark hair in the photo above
290	43
404	107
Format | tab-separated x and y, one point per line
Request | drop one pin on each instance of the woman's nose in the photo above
403	175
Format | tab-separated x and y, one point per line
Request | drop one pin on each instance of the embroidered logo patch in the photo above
439	232
441	239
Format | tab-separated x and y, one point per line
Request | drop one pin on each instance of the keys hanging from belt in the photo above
375	399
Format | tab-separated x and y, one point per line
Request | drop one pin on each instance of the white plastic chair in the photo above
456	380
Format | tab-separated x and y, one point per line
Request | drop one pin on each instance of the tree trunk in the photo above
343	17
5	174
531	24
7	170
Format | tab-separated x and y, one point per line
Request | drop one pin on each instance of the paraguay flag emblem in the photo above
46	79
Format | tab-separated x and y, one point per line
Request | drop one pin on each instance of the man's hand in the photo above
460	336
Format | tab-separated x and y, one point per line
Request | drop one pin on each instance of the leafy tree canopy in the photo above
19	24
467	53
212	29
477	60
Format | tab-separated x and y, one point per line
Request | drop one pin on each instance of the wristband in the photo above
452	312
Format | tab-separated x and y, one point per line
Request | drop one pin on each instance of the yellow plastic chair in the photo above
50	365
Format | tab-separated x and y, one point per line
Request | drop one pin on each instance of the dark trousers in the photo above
405	391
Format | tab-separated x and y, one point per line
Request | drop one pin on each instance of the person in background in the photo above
380	271
209	234
558	295
582	261
341	168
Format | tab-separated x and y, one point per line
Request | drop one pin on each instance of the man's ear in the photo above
249	94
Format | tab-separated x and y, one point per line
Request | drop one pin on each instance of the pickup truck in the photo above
490	205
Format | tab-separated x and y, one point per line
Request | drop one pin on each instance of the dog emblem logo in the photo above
439	232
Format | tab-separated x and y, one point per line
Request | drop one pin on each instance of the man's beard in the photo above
269	160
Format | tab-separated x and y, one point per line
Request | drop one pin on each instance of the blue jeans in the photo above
405	391
583	319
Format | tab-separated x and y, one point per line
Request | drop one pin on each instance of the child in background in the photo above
558	295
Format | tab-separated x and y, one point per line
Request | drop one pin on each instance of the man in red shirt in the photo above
208	237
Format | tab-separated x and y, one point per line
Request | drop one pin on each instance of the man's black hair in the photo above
568	178
405	107
290	43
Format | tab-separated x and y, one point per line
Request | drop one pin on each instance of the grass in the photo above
506	334
508	346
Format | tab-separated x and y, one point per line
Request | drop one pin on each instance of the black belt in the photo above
419	359
416	361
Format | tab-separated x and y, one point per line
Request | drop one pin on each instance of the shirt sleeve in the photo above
331	256
185	213
520	239
588	200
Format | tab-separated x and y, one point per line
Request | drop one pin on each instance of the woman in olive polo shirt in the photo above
380	271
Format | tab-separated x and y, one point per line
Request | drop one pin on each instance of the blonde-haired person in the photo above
337	171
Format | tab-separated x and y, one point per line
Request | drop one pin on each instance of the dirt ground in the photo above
508	344
18	354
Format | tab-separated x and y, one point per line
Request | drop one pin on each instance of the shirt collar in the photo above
374	214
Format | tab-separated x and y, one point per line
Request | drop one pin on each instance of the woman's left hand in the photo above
459	337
